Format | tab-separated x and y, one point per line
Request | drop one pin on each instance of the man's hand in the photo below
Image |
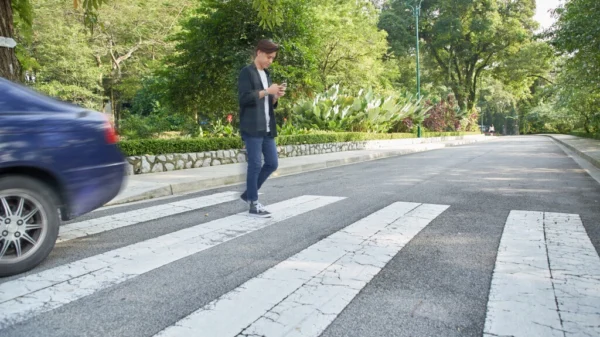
281	91
273	89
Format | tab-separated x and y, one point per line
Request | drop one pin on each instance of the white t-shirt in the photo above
265	83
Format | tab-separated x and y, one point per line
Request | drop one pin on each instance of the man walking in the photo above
258	98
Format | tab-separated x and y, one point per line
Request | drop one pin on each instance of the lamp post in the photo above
416	11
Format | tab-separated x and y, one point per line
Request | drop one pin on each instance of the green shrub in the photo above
189	145
448	134
185	145
585	134
338	110
340	137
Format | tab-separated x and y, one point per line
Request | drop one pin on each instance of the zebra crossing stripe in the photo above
31	295
546	281
521	300
106	223
304	294
575	267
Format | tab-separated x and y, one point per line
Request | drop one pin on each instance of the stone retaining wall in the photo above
171	162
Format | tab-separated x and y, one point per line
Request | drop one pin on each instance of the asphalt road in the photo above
427	274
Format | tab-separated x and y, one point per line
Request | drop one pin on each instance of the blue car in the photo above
57	162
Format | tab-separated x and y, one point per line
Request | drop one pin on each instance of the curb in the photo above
592	160
180	188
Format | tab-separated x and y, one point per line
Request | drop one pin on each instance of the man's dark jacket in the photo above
252	109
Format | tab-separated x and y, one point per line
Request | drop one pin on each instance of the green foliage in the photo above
321	43
443	116
577	34
134	126
165	146
23	16
172	66
130	38
496	102
187	145
351	47
219	40
269	13
462	39
337	110
147	99
90	11
22	11
87	69
320	138
518	70
288	129
219	130
64	65
585	135
580	100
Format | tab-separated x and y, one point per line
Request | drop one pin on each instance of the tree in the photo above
21	11
518	77
73	65
9	64
130	38
351	47
267	10
464	39
219	40
578	96
520	69
576	35
51	51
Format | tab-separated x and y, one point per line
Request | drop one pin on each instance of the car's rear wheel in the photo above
29	223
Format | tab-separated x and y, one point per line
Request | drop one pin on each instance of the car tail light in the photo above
110	134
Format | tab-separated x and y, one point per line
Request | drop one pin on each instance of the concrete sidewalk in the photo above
587	148
155	185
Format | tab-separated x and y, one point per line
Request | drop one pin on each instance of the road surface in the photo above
493	239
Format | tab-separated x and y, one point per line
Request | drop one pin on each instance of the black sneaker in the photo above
244	197
258	210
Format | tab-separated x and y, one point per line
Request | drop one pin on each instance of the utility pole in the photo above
416	11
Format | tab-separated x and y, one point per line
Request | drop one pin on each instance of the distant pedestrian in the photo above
492	129
258	98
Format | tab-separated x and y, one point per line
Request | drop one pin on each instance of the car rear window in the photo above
16	98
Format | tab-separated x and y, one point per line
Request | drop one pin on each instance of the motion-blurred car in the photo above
58	161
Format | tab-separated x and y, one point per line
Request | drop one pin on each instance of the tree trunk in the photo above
460	100
9	65
471	99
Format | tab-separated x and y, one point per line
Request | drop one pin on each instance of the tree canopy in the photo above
175	63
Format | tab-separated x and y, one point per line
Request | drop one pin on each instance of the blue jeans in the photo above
258	173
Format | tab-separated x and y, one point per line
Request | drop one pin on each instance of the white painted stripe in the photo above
575	267
23	298
302	295
521	300
106	223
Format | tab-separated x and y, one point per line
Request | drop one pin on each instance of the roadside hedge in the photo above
187	145
584	134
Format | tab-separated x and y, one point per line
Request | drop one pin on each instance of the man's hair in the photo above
266	46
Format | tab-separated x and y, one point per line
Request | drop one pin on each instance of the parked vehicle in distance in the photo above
58	161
